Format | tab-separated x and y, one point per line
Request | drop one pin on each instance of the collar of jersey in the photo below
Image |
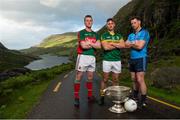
138	31
88	31
111	33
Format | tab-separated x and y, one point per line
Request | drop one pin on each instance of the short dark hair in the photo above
110	19
135	17
87	17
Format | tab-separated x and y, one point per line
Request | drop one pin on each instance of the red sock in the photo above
76	90
89	87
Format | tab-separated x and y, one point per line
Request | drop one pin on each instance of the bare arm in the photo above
120	44
139	44
96	45
128	44
85	45
107	46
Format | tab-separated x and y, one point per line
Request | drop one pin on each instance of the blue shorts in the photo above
138	65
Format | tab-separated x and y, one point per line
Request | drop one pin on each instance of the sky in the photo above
25	23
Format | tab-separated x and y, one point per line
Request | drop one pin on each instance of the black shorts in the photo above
138	65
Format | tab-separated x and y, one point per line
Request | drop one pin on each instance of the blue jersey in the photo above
141	35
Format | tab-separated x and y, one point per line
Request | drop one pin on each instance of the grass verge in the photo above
170	95
19	94
22	100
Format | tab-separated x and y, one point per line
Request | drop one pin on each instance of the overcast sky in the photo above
25	23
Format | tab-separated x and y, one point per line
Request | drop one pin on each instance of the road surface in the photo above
57	102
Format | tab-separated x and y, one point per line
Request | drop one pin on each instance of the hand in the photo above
128	44
134	42
112	44
88	43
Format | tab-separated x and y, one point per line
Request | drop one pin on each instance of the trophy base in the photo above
117	108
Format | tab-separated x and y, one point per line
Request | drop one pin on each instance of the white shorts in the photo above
112	66
86	63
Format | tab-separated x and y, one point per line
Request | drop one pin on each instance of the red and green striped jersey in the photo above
111	55
84	35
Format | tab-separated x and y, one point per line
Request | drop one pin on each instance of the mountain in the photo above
160	17
10	59
2	47
58	44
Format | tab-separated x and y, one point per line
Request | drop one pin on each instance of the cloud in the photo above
24	23
50	3
17	36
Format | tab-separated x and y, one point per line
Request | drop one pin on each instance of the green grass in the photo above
60	44
63	49
56	41
170	95
19	94
22	100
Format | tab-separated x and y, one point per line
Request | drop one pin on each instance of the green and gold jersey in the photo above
111	55
84	35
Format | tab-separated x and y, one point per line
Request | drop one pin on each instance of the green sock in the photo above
76	81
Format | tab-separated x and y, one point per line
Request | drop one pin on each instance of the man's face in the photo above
88	22
135	24
110	25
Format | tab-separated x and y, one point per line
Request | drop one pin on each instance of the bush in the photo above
8	85
167	77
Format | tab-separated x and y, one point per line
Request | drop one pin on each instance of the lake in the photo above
47	61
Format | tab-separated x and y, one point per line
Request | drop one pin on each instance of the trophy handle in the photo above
106	91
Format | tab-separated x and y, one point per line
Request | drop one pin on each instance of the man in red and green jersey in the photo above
86	62
111	43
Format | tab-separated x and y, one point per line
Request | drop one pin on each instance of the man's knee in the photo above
140	79
133	77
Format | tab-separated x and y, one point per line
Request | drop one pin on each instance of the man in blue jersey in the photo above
138	42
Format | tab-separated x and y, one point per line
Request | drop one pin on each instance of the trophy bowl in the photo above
118	95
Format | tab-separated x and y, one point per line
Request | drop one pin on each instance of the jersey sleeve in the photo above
120	37
97	37
80	36
143	36
129	37
102	38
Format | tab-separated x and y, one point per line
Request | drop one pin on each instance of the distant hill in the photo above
58	44
57	40
161	18
12	59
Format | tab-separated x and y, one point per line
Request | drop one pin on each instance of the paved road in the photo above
59	104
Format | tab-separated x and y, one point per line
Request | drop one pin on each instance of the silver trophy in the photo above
118	95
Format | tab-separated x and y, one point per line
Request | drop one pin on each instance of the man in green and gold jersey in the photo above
88	42
111	43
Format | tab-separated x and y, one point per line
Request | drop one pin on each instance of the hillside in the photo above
12	59
58	44
161	18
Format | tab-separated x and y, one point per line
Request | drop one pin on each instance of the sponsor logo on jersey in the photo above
90	39
108	37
